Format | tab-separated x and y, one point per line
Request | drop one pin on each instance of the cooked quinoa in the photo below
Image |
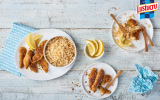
60	51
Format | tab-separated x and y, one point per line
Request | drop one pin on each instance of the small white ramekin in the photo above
92	58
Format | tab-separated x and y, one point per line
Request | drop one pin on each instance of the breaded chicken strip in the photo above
98	80
92	77
106	78
104	91
33	67
27	58
135	34
39	52
131	22
43	63
22	53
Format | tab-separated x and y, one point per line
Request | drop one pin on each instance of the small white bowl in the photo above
70	62
93	58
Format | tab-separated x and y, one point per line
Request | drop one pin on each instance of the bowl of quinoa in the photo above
60	51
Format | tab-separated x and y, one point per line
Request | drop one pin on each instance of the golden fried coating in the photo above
22	53
131	22
27	58
33	67
98	80
39	52
104	91
135	34
99	85
92	77
106	78
43	63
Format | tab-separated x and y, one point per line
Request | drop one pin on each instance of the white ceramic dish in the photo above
140	43
53	72
95	58
108	70
69	63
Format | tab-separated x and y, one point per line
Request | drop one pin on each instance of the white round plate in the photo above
108	70
53	72
139	44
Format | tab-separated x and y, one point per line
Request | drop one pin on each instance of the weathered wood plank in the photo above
65	13
22	88
114	56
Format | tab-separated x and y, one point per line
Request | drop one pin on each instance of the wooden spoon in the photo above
150	41
145	41
110	83
120	26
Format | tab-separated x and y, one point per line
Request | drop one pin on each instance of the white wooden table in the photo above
81	19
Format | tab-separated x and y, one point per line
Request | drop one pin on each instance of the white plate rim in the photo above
69	67
83	85
113	36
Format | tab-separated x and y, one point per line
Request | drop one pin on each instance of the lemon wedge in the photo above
123	42
91	47
96	43
100	48
30	41
37	39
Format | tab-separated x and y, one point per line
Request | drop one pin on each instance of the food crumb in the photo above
85	81
72	88
72	82
86	73
128	17
75	84
148	25
114	28
133	46
119	17
124	13
132	15
89	91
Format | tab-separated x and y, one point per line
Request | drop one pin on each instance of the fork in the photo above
144	30
120	26
145	40
110	83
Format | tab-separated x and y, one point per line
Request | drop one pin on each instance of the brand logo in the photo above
146	8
